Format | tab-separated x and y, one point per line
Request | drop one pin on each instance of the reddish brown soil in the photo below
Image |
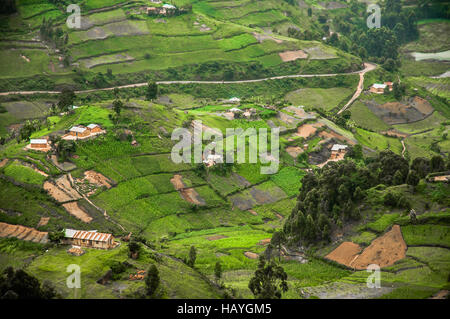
216	237
383	251
177	182
22	232
294	151
251	255
97	179
292	55
345	253
74	210
43	221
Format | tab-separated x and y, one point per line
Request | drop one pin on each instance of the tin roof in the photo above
78	129
91	126
87	235
38	141
337	147
379	86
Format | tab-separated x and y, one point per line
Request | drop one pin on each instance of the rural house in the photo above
79	131
39	143
338	151
94	128
91	239
379	88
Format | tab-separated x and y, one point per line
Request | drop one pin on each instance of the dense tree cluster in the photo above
269	281
7	6
17	284
330	196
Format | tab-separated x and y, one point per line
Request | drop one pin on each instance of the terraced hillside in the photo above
362	177
120	43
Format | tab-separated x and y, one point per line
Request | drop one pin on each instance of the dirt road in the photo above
367	67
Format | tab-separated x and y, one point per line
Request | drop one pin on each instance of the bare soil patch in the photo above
412	110
177	182
288	119
294	151
97	179
43	221
307	130
191	195
216	237
253	212
75	210
264	241
251	255
441	295
22	232
292	55
345	253
383	251
62	190
3	162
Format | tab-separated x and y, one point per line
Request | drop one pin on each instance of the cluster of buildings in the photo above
238	113
76	132
81	132
166	9
379	88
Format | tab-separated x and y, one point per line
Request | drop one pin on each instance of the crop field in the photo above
362	115
325	99
24	174
125	182
377	141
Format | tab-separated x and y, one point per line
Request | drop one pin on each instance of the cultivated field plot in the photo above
325	99
26	62
430	38
106	59
265	193
24	233
414	110
27	109
122	28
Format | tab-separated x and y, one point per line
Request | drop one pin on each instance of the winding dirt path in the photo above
367	67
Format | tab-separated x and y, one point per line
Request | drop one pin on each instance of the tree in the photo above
422	166
218	271
8	6
64	149
389	64
18	284
277	239
152	91
192	256
66	99
398	178
412	179
152	281
133	249
269	280
437	164
399	90
334	40
117	106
